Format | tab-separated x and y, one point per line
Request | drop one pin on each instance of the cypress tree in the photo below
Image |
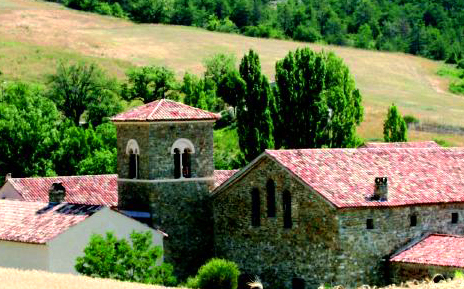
254	123
394	127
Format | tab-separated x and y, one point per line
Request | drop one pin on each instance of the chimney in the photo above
56	193
381	189
7	177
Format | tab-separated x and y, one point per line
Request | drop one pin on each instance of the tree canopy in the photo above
136	260
317	103
254	106
77	88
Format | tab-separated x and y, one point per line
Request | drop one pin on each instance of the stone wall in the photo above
139	132
402	272
182	210
163	136
277	255
365	252
155	140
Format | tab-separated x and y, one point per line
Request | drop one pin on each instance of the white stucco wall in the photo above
65	248
23	255
7	191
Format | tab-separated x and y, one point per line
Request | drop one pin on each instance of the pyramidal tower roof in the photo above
164	110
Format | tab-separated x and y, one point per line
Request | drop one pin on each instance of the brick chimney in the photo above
381	189
56	193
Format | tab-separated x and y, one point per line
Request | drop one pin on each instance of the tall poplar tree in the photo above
394	127
317	103
254	123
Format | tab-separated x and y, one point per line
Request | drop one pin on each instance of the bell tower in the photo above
166	167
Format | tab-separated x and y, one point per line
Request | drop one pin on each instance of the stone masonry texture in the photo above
180	208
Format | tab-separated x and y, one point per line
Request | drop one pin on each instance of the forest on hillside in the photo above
433	29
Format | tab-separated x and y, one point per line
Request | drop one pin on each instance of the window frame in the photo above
133	151
186	149
454	218
287	209
370	224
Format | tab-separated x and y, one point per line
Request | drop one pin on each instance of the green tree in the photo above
28	131
254	123
79	87
317	104
149	83
394	127
218	66
364	37
135	261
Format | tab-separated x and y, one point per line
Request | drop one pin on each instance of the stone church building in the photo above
295	218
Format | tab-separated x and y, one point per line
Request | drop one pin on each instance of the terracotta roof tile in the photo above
220	176
34	222
165	110
438	250
345	177
421	144
91	190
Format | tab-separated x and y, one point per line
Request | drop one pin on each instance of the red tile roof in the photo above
220	176
422	144
345	177
91	190
438	250
165	110
34	222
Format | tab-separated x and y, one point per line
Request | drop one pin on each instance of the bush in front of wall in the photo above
216	274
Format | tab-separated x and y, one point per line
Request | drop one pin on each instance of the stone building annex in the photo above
295	218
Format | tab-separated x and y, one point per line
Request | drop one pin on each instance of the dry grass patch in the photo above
22	279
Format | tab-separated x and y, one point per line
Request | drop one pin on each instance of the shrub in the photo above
218	274
410	119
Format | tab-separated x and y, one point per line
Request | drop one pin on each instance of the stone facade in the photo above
155	140
179	207
325	245
365	251
276	254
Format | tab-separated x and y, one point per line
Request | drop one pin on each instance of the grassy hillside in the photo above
35	34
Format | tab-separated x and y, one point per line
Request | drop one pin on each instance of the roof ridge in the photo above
155	109
55	177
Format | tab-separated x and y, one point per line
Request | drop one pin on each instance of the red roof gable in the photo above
438	250
220	176
421	144
165	110
91	190
345	177
33	222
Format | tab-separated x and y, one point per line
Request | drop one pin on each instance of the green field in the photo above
34	35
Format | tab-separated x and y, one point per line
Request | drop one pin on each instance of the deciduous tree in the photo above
136	261
317	103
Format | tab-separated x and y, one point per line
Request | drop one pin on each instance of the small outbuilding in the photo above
432	255
50	236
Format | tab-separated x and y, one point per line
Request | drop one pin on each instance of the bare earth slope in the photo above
34	34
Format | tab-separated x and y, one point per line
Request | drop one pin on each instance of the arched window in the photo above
182	149
271	207
287	208
133	151
255	208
